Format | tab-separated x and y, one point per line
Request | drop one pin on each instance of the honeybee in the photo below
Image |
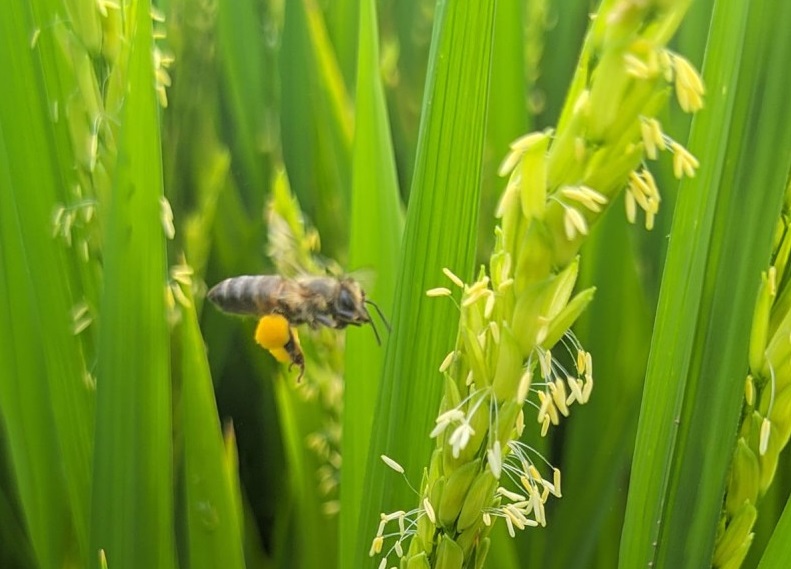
312	300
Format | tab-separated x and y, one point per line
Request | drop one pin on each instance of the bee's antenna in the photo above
376	332
379	312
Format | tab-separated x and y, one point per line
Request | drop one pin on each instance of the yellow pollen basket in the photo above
273	334
280	355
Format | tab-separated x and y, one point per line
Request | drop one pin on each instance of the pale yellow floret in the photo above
667	64
438	291
376	546
631	205
179	295
576	390
582	104
574	223
586	196
429	509
637	68
514	515
473	296
580	361
538	508
170	300
479	286
544	403
559	396
495	331
513	496
556	481
749	390
510	525
766	429
649	142
518	148
156	14
586	390
689	85
489	308
546	364
524	385
454	279
510	197
649	220
447	362
482	340
495	459
653	189
552	411
392	464
545	426
182	274
684	163
460	437
81	325
167	217
520	423
451	415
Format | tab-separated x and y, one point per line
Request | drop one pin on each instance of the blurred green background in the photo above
139	421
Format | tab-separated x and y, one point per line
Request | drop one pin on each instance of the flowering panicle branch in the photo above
517	315
293	249
766	415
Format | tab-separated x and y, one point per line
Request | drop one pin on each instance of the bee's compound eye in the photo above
272	331
346	302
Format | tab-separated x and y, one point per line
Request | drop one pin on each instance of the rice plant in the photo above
527	190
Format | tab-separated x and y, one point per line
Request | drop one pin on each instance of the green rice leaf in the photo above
377	223
778	551
440	232
45	400
313	540
132	509
214	516
317	124
246	89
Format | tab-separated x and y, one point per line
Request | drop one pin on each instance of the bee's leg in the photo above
301	365
326	321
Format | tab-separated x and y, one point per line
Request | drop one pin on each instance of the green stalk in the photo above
560	183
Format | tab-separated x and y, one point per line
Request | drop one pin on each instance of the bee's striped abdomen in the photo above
246	294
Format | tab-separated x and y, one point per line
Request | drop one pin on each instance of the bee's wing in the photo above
366	276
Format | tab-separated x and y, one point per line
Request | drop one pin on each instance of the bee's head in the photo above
351	306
